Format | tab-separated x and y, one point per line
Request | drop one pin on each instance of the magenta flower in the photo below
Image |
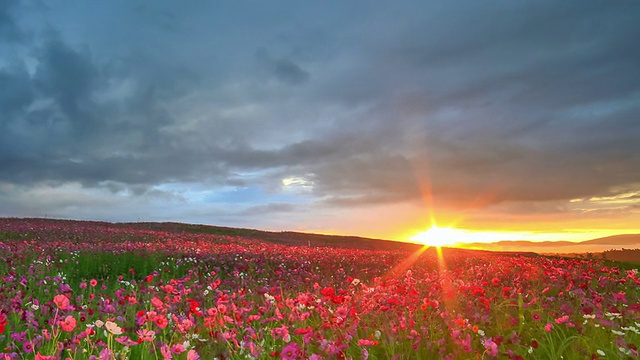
291	351
178	349
491	347
105	354
366	342
27	346
535	316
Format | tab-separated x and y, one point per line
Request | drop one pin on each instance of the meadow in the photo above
81	290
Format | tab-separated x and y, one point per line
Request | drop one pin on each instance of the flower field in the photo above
80	290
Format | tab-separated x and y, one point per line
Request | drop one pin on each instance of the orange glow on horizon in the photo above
437	236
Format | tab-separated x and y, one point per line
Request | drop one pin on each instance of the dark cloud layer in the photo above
484	104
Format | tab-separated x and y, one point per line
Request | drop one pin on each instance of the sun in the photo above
437	236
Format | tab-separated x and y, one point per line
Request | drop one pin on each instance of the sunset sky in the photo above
342	117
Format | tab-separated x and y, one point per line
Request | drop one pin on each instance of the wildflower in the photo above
105	354
365	354
124	340
178	349
291	351
328	291
192	355
166	352
491	347
161	321
44	357
600	352
27	346
562	319
548	327
146	335
366	342
3	322
61	301
93	282
68	323
536	317
113	328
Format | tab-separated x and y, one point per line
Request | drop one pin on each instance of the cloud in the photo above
282	69
499	106
9	29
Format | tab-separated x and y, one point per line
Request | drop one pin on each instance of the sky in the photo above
363	118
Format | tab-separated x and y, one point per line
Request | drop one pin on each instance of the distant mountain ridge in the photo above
626	239
629	241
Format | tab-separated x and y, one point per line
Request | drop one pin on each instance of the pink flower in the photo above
562	319
113	328
491	347
44	357
157	303
124	340
548	327
105	354
178	349
162	321
166	352
61	301
146	335
68	323
93	282
365	342
192	355
291	351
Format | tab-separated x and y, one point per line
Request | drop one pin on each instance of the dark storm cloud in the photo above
480	103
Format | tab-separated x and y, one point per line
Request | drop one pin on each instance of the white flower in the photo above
625	351
600	352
